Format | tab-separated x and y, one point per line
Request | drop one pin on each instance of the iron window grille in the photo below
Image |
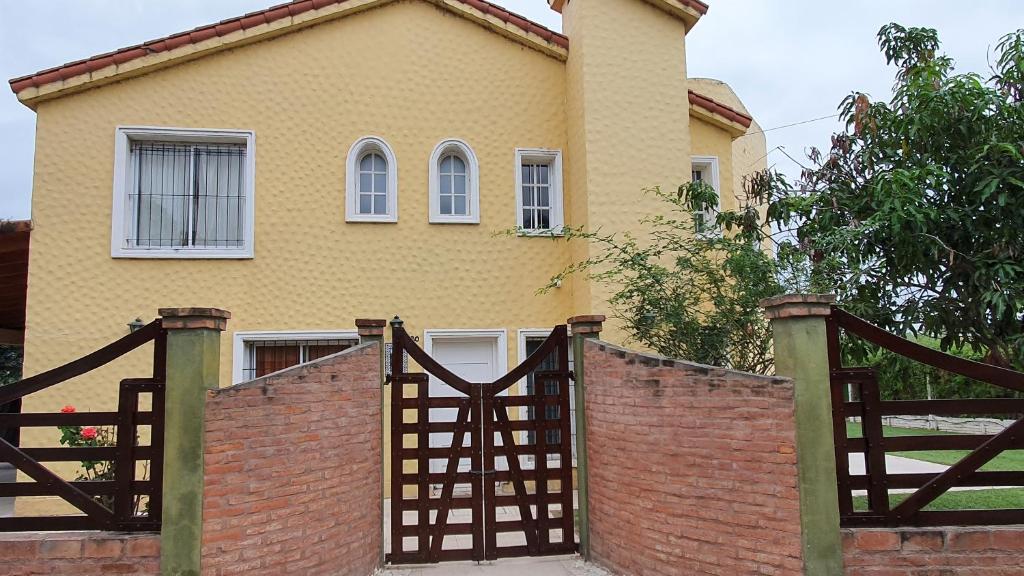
550	412
536	196
267	356
187	195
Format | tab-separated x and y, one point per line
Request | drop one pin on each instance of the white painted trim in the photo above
555	177
472	183
498	334
239	339
352	175
525	333
120	219
709	163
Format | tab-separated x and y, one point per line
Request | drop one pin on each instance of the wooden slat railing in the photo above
125	491
877	481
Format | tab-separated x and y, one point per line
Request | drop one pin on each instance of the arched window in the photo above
371	190
454	184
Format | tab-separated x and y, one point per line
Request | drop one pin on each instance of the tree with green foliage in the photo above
915	216
684	288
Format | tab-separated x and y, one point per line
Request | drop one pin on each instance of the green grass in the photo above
960	500
993	499
1008	461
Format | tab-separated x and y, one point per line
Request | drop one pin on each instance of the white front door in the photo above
472	358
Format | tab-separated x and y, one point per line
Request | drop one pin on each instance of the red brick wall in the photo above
293	471
79	554
692	469
977	551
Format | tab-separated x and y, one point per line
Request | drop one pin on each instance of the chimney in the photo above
628	115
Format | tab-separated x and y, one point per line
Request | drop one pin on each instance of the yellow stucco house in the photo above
325	160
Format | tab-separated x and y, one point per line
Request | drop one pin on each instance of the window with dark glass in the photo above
266	357
550	387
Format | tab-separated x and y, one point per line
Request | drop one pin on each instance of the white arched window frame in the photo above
457	184
355	211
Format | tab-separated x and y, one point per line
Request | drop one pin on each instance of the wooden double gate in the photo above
502	485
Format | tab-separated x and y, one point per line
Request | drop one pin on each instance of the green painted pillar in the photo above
582	327
798	326
193	368
373	331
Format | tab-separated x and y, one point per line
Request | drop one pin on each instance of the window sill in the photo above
372	219
549	233
182	254
443	220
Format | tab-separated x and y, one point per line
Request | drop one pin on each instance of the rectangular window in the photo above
183	194
257	354
267	356
539	191
705	169
529	342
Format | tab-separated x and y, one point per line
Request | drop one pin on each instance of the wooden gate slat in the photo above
448	487
526	517
74	496
482	415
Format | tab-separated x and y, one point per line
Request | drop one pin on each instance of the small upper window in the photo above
454	184
183	194
705	169
539	191
371	188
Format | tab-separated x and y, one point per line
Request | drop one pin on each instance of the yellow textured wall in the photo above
749	151
413	74
408	72
709	140
628	118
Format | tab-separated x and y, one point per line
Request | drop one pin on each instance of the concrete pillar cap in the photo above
797	305
370	327
192	318
586	324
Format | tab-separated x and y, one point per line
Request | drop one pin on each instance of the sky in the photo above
790	61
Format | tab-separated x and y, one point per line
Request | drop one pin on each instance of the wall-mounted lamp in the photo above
136	325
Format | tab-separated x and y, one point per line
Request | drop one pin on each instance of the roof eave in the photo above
689	11
714	112
255	27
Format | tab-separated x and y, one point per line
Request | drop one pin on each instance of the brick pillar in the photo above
193	368
582	328
798	325
371	330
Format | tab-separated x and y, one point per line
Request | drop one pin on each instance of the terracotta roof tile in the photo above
250	20
716	107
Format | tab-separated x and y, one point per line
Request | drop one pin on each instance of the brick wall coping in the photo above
652	360
290	371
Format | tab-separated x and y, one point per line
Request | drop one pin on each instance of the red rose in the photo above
89	433
68	409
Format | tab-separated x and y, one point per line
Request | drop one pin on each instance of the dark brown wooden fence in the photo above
125	503
866	404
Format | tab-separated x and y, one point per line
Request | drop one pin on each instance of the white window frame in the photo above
121	220
709	165
360	147
472	183
240	339
554	158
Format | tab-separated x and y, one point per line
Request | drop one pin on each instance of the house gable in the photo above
255	27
